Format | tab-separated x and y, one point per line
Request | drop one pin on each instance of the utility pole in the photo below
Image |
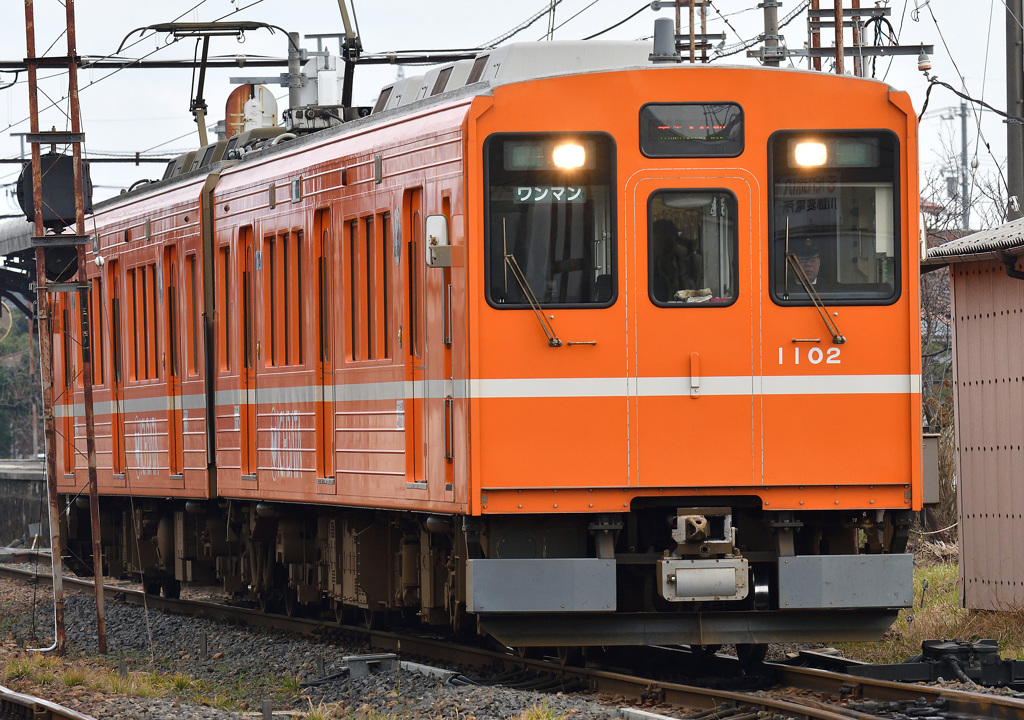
838	19
965	197
838	10
1014	108
41	241
45	342
83	302
687	45
771	32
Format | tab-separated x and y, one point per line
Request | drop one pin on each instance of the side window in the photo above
692	245
834	217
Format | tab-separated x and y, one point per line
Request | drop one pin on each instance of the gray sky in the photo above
137	110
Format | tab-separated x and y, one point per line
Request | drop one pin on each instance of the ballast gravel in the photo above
245	667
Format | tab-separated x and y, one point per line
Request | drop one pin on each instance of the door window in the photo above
692	247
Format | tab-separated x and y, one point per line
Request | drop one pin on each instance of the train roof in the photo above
450	84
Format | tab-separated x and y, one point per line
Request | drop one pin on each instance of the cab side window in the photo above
692	248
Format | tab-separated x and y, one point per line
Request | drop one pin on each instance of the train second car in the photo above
585	350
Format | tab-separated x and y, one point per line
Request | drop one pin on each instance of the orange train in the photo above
560	342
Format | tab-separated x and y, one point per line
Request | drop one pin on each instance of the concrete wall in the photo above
23	502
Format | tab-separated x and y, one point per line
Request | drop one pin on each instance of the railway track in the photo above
17	706
798	692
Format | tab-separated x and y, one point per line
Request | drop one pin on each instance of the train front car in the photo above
694	391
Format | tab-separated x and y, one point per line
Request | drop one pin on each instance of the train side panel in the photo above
147	350
361	408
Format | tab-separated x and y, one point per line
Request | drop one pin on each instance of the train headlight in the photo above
810	154
569	156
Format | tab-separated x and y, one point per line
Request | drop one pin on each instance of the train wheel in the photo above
374	619
150	586
570	655
530	653
171	588
751	653
703	651
292	607
268	601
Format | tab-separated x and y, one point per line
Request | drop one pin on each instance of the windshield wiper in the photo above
830	324
524	285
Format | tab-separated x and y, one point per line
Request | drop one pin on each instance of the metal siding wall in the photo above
988	310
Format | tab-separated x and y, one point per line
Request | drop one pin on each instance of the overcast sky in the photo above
148	110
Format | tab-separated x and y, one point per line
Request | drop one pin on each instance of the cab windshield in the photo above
550	215
833	214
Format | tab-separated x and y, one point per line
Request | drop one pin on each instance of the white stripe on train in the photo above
523	388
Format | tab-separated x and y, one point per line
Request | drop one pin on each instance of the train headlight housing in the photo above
810	154
569	156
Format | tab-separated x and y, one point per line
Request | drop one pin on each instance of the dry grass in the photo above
937	615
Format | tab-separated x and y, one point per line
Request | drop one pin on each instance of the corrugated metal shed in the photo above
1007	238
987	310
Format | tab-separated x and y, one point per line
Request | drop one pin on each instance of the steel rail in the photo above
15	705
959	702
837	686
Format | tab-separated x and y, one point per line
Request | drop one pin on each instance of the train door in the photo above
66	390
172	362
323	250
694	293
447	368
116	372
415	339
250	353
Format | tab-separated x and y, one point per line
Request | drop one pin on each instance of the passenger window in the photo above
834	218
692	248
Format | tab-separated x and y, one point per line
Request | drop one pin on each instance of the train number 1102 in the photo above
814	356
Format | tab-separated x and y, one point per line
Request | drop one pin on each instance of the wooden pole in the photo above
83	297
839	36
45	339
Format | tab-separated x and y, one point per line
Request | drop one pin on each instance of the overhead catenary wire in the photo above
522	26
984	79
626	19
935	81
114	72
741	46
571	17
903	17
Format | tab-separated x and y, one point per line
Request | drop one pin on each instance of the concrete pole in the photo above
964	186
771	30
1015	108
294	69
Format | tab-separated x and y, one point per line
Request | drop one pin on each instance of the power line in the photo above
935	81
573	17
522	26
620	22
105	77
741	46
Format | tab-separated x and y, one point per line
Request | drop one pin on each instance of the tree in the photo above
942	205
19	391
